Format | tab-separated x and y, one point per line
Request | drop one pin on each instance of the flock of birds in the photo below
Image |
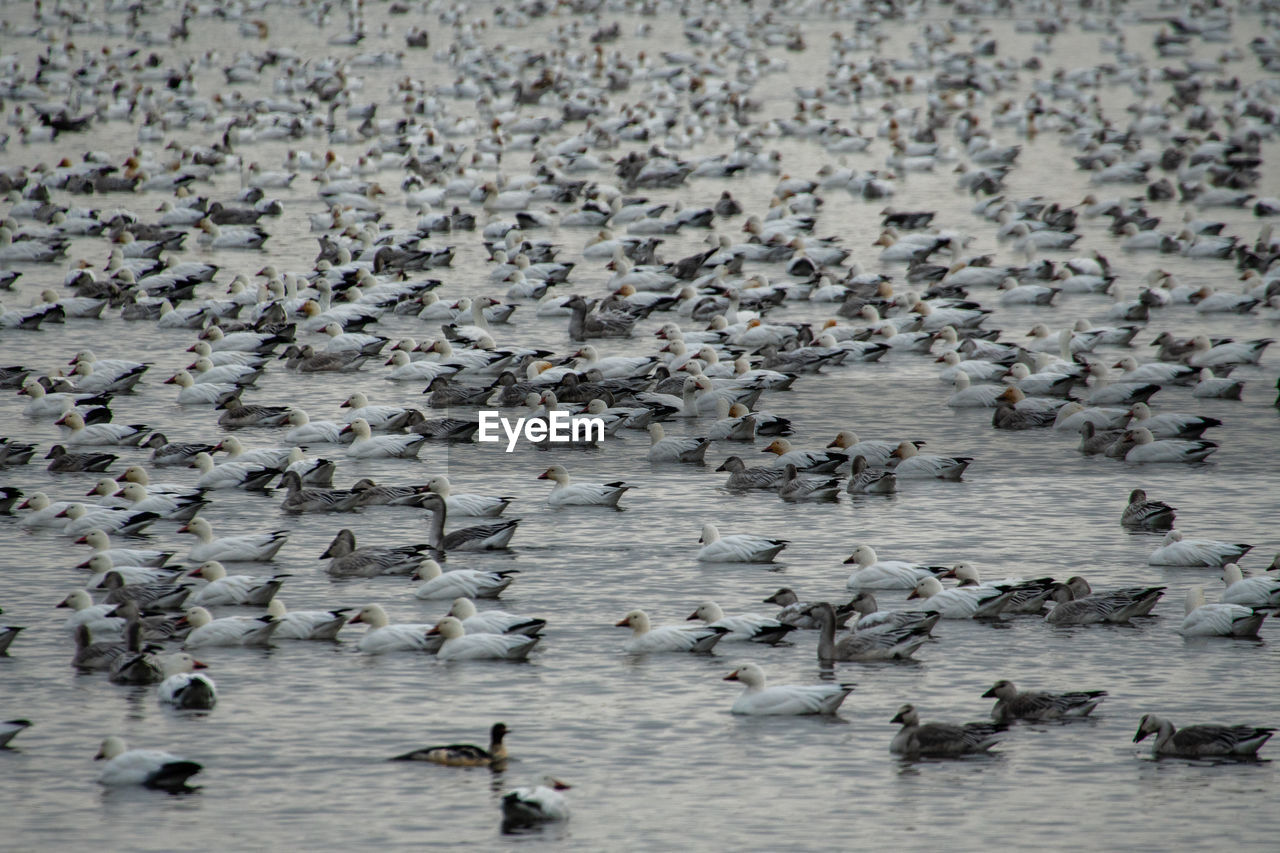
603	135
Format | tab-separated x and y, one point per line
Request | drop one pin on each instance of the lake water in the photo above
295	752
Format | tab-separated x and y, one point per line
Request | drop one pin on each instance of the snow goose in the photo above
1078	605
527	807
667	638
1257	591
867	481
493	621
78	434
939	740
306	624
1177	551
1144	514
383	637
10	729
1202	741
188	691
877	453
306	431
1170	424
675	449
368	446
1146	449
757	699
98	618
224	589
378	417
1218	620
465	754
459	645
1012	705
101	544
969	396
808	461
961	602
881	645
871	618
568	493
746	628
347	561
251	547
171	507
151	768
874	573
228	631
914	465
795	489
81	519
1028	596
472	505
192	393
741	477
44	512
1205	354
485	537
468	583
232	475
1217	387
736	548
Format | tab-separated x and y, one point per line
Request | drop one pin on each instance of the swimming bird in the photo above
736	548
306	624
568	493
465	754
227	631
188	691
961	602
151	768
383	637
1077	604
468	583
667	638
1175	550
10	729
459	645
747	627
1012	705
346	560
485	537
1256	591
493	621
1201	741
874	573
760	699
881	645
1145	514
1218	620
250	547
526	807
938	740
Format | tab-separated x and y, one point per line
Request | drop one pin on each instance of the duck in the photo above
568	493
368	446
101	435
1143	513
1256	591
1175	550
526	807
470	583
306	624
223	589
459	645
1201	741
874	573
737	548
346	560
667	638
151	768
470	505
228	631
759	699
1012	705
961	602
188	691
1218	620
889	644
486	537
465	754
383	637
746	628
493	621
251	547
939	740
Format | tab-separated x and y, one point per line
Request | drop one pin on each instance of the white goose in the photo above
874	573
1147	449
306	624
229	631
152	768
1175	550
1218	620
568	493
99	435
96	617
232	589
101	544
757	699
667	638
737	548
306	431
467	583
470	505
917	466
188	690
252	547
1257	591
525	807
383	637
493	621
459	645
961	602
232	475
745	628
192	393
368	446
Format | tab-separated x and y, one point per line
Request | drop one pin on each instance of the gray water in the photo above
294	753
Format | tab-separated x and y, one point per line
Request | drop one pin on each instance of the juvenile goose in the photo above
151	768
465	754
748	627
1218	620
795	489
568	493
871	618
795	612
486	537
1144	514
737	548
890	644
466	583
939	740
741	477
864	480
1077	604
667	638
300	498
757	699
1202	741
1012	705
347	561
459	645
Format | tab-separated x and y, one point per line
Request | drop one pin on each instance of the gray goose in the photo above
1202	741
1012	705
483	537
346	560
915	739
890	644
